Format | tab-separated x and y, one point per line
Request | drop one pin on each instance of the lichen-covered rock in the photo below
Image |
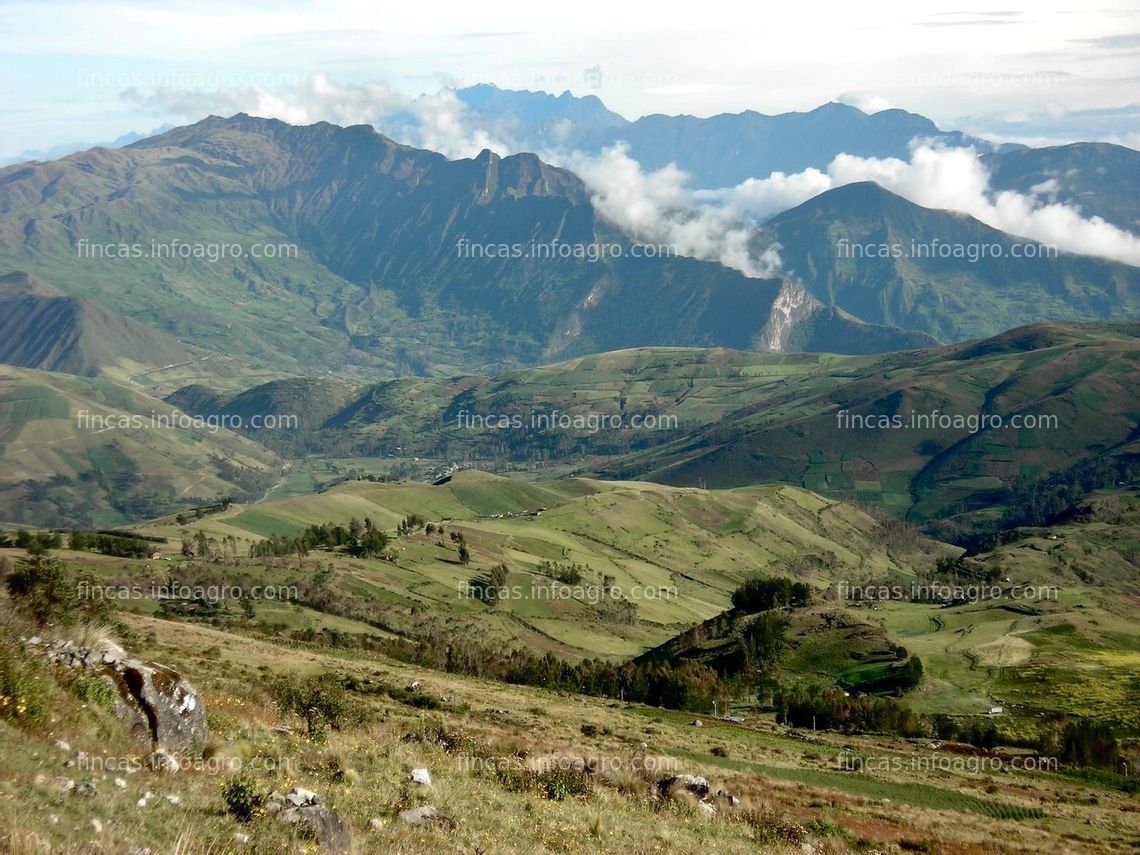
157	704
694	784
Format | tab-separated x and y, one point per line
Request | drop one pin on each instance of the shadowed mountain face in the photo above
42	328
888	261
343	247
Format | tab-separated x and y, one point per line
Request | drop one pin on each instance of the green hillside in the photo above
90	452
672	555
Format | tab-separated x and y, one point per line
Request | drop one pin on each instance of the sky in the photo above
1047	72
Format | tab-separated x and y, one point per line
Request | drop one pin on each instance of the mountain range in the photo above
718	151
244	265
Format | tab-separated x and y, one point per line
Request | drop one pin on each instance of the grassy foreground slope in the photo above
790	789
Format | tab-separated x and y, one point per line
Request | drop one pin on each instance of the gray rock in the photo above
306	809
157	703
695	784
421	777
299	796
326	827
62	746
160	704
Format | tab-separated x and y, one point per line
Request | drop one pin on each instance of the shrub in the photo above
760	594
556	782
772	828
90	689
40	587
242	798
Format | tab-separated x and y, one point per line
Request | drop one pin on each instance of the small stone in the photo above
376	824
62	745
698	723
120	783
173	799
241	838
706	808
96	826
299	796
53	819
64	785
87	788
421	777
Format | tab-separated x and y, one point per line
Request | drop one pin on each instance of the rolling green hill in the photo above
85	452
727	418
674	554
1081	377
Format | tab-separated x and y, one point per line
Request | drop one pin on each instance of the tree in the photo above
321	700
464	554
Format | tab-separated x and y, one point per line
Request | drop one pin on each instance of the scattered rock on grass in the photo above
304	807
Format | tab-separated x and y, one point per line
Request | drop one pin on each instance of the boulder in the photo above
162	703
158	704
326	827
421	777
307	809
695	784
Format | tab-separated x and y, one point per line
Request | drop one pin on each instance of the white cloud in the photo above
657	207
868	102
952	179
437	122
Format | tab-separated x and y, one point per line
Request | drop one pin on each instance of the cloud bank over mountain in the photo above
663	205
